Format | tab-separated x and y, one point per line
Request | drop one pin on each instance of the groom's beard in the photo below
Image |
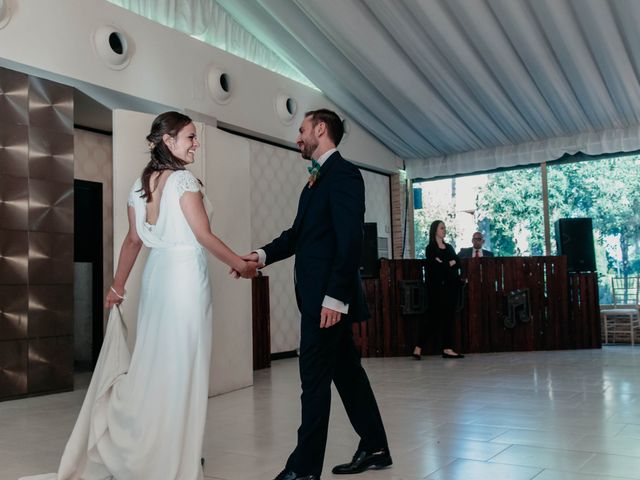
307	149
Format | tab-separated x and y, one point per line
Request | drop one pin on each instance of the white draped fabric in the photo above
480	84
532	153
144	415
209	23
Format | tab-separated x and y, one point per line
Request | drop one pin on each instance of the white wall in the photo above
52	39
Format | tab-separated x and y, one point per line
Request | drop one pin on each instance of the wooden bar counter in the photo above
562	310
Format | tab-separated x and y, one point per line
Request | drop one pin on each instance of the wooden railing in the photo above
563	311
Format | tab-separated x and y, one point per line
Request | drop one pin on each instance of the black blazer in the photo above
468	253
326	238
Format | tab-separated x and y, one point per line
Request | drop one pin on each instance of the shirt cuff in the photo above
262	256
335	304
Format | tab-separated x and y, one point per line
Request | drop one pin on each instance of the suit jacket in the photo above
326	238
468	253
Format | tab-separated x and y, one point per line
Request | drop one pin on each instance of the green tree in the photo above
511	204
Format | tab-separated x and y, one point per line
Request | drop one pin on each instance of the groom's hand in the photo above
249	257
251	270
328	317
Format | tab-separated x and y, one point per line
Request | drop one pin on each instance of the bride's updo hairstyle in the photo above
167	123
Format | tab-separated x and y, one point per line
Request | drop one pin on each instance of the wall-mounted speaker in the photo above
417	198
286	108
574	238
369	262
113	46
219	84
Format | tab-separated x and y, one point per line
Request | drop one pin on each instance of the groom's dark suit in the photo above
326	238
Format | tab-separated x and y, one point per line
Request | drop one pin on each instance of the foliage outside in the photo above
508	210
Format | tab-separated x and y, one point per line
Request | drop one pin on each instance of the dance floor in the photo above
563	415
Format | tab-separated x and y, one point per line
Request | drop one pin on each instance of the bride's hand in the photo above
113	297
249	269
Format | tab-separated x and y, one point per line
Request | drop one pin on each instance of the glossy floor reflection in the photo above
563	415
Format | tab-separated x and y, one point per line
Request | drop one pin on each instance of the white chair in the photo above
624	317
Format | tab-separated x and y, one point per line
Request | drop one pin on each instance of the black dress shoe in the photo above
448	355
363	461
416	356
291	475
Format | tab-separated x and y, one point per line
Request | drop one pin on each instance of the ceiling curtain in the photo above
209	23
450	86
598	143
457	86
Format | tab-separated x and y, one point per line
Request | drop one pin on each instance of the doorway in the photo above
88	283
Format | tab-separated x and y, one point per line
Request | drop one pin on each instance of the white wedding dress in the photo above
144	414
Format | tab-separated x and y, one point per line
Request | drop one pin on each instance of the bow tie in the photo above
314	168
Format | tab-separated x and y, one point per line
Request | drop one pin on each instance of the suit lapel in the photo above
307	193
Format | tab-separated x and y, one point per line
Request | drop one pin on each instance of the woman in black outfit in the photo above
443	283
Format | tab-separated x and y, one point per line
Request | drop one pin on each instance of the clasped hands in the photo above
250	269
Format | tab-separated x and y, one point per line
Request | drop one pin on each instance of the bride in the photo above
144	414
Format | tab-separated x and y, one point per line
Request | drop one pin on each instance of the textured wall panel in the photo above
50	206
14	141
13	368
36	235
50	364
13	312
14	257
50	310
14	203
50	155
50	259
14	101
277	178
50	105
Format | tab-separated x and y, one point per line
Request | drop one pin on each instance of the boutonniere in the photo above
314	172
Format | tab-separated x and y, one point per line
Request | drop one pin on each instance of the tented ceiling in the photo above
454	86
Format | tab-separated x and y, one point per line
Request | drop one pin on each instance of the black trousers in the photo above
327	355
442	301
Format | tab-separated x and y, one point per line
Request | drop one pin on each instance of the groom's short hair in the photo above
335	128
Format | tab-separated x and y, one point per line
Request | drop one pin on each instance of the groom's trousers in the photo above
326	355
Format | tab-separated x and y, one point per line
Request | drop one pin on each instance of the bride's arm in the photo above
194	211
128	253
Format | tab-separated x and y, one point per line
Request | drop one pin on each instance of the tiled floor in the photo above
565	415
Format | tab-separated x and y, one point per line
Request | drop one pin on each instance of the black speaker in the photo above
574	238
369	263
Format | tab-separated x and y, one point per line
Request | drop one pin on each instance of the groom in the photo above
326	239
